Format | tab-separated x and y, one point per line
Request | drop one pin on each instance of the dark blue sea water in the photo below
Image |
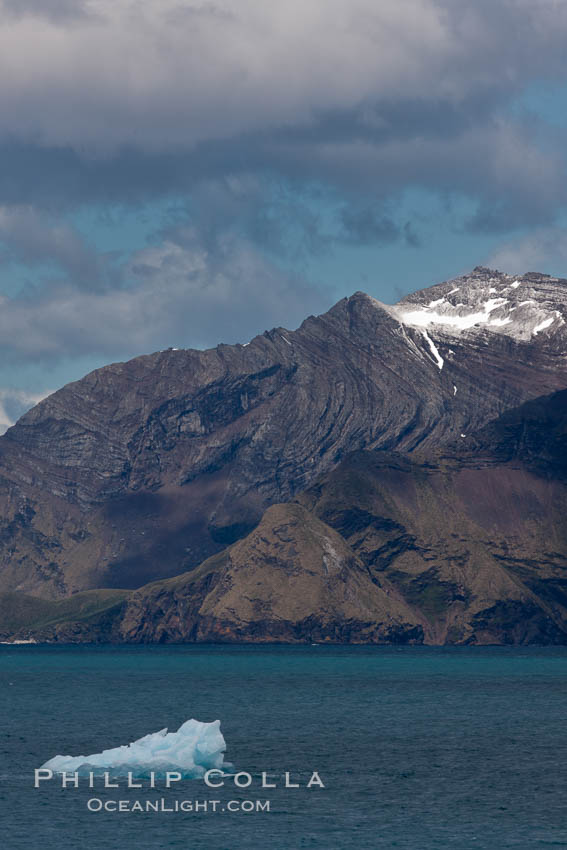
418	748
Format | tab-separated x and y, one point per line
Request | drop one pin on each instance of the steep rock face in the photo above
534	434
142	470
464	544
292	579
474	536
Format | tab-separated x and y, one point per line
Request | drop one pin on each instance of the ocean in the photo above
417	747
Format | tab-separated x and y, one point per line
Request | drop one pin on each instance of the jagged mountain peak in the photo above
143	469
485	300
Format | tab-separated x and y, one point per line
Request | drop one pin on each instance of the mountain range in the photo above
385	473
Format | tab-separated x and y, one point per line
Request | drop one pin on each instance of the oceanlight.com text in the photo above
95	804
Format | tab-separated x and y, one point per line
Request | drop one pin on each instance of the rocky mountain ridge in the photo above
464	545
143	470
492	302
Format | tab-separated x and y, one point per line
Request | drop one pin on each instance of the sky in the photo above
187	173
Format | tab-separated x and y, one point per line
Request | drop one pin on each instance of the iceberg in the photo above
195	748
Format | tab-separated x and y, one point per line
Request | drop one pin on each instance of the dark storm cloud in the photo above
28	238
366	98
498	164
287	129
365	227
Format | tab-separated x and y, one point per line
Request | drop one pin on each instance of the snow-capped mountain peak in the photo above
486	300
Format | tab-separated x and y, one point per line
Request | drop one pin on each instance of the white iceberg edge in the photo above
195	748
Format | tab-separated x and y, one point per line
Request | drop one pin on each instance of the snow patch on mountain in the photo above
485	300
434	350
459	316
543	325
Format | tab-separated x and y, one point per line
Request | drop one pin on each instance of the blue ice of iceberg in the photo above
195	748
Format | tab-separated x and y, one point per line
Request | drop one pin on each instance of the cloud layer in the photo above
284	132
184	291
116	100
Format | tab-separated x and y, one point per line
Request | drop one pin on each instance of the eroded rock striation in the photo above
144	470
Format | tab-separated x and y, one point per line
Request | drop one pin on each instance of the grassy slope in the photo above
19	610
